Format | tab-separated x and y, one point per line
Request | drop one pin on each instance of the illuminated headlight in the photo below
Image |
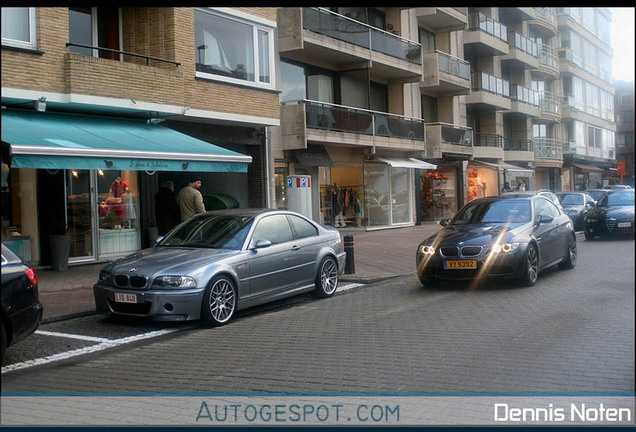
105	278
175	282
427	250
505	247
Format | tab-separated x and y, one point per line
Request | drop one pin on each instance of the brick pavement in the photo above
378	254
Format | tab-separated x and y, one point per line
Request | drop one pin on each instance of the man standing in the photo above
167	211
190	199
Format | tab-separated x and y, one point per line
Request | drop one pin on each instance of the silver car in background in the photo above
218	262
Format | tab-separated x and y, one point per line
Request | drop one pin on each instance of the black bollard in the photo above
350	266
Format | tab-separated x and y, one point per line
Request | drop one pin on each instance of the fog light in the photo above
168	307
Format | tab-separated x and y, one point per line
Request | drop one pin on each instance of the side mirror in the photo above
444	222
261	244
541	219
159	239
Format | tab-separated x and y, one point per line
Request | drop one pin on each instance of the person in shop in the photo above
522	185
357	208
167	211
506	187
190	200
338	207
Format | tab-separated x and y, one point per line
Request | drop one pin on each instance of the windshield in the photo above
622	198
499	212
572	200
215	231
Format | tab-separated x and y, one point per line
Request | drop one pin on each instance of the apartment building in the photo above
102	105
624	108
487	96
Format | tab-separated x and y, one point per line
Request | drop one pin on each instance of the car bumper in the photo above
25	322
505	266
617	227
342	259
164	305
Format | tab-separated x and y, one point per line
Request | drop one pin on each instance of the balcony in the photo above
488	146
444	138
550	105
485	36
307	34
546	20
442	18
444	74
548	152
518	150
306	121
489	92
524	101
548	62
524	52
513	14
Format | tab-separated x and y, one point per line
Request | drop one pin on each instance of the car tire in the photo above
569	261
531	267
589	235
327	278
3	343
219	301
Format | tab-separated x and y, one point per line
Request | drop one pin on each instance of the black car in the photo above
541	192
21	309
613	214
576	205
597	193
510	237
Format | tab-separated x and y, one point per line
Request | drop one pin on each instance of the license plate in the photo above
460	265
125	298
624	224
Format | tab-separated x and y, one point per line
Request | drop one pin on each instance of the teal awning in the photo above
63	141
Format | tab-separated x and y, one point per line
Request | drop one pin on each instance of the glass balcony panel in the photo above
335	26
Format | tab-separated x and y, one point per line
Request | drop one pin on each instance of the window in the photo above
233	50
273	228
95	27
302	227
18	27
292	81
427	40
594	137
543	207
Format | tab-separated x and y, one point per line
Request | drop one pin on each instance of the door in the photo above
79	214
272	267
549	234
309	245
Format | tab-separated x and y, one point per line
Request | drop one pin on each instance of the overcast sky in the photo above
623	43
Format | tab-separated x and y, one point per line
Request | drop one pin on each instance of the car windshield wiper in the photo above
198	245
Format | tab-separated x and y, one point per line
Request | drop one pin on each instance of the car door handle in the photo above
295	248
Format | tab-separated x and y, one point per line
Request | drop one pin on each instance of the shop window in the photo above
118	211
377	194
340	189
482	182
233	50
439	193
18	27
281	171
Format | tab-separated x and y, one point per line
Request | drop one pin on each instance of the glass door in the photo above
79	214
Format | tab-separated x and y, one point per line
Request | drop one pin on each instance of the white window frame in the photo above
256	26
32	43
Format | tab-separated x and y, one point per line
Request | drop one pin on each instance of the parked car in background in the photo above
541	192
576	205
218	262
597	193
512	236
613	214
619	187
21	311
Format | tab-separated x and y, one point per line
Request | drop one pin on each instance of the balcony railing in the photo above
488	140
479	21
548	56
339	118
547	148
523	43
114	54
453	65
340	27
546	13
518	145
550	103
485	82
453	134
525	95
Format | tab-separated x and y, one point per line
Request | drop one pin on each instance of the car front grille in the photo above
131	309
464	251
611	225
449	251
471	251
135	281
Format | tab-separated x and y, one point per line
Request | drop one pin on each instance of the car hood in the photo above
615	212
477	234
168	260
574	208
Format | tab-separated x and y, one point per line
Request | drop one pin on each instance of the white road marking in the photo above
71	336
81	351
349	286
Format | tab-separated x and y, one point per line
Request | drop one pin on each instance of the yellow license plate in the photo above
460	265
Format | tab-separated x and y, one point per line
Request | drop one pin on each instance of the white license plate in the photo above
624	224
125	298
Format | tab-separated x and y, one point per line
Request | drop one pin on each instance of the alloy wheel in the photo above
222	300
532	264
329	276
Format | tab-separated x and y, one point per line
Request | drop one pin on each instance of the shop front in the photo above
439	192
86	179
482	180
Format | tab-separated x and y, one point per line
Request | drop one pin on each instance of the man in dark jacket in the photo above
166	208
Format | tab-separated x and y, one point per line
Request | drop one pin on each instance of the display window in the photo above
481	182
342	196
281	171
439	193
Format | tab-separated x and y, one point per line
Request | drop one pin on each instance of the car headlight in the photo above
427	250
505	247
105	278
175	282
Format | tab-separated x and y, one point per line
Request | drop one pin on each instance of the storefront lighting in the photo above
40	104
100	172
74	173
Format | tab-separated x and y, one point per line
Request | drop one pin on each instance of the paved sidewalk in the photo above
377	255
